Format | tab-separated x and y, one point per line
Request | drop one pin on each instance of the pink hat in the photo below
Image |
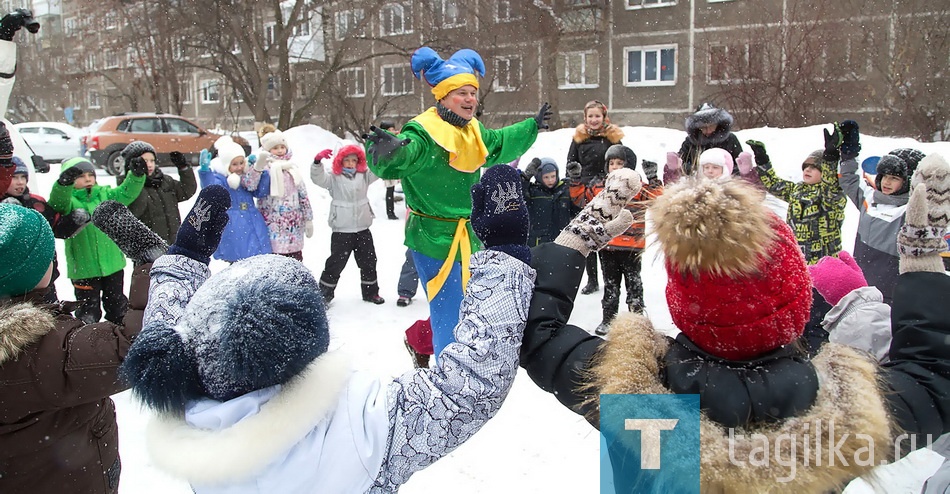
719	157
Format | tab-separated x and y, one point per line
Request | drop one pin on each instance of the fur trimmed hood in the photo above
611	132
235	452
21	325
849	397
705	115
346	151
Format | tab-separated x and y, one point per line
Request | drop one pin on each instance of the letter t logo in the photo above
650	439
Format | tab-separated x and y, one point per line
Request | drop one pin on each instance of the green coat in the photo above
815	212
91	254
433	188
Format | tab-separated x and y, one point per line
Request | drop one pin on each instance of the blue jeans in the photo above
408	278
444	308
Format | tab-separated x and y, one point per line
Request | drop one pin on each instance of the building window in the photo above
645	4
269	34
209	92
718	1
448	13
650	66
94	100
91	61
69	26
578	70
75	100
110	20
302	28
349	23
507	74
393	20
111	59
397	80
506	11
186	91
735	62
353	81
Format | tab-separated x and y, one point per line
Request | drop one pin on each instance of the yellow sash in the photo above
459	240
467	151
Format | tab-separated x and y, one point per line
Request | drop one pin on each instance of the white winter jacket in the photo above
349	210
861	320
331	430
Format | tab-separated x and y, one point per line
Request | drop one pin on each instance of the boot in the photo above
635	307
590	288
602	329
419	360
327	292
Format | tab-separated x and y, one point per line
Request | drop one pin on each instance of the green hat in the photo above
26	249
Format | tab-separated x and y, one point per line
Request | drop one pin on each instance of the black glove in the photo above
178	160
544	114
69	176
134	239
649	168
69	225
573	170
850	140
832	144
6	147
758	150
200	233
382	144
499	213
532	168
138	167
12	22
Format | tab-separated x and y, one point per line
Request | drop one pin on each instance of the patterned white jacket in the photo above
334	430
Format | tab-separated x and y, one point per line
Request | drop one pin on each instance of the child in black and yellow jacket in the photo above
816	204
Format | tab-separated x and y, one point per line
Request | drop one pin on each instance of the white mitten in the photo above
605	216
921	240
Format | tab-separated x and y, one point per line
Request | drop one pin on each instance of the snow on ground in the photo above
533	445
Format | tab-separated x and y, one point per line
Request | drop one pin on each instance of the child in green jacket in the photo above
94	263
816	204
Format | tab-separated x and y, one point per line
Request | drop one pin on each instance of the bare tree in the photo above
778	74
914	69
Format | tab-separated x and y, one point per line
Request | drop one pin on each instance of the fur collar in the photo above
849	396
21	325
246	449
346	151
612	133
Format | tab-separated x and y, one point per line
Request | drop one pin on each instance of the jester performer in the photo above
438	155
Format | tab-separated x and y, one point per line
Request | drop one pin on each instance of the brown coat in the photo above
57	422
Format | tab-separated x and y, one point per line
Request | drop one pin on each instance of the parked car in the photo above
165	132
22	150
54	140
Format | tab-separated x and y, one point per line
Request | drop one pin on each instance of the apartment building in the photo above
771	62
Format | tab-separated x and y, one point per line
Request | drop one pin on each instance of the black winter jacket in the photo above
157	205
916	382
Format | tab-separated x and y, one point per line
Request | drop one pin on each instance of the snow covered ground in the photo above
533	445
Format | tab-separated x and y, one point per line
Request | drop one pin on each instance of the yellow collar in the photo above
467	151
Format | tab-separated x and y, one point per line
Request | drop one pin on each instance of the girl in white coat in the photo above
350	219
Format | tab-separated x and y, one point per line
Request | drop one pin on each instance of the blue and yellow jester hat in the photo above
447	75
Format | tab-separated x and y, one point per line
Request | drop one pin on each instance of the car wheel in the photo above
115	164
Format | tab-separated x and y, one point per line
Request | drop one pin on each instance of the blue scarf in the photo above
349	172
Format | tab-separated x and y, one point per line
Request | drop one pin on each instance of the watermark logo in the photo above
649	443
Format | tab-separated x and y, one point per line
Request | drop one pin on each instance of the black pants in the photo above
391	202
361	245
592	269
113	299
617	264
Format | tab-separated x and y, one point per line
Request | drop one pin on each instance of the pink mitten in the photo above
744	161
835	277
322	155
673	161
